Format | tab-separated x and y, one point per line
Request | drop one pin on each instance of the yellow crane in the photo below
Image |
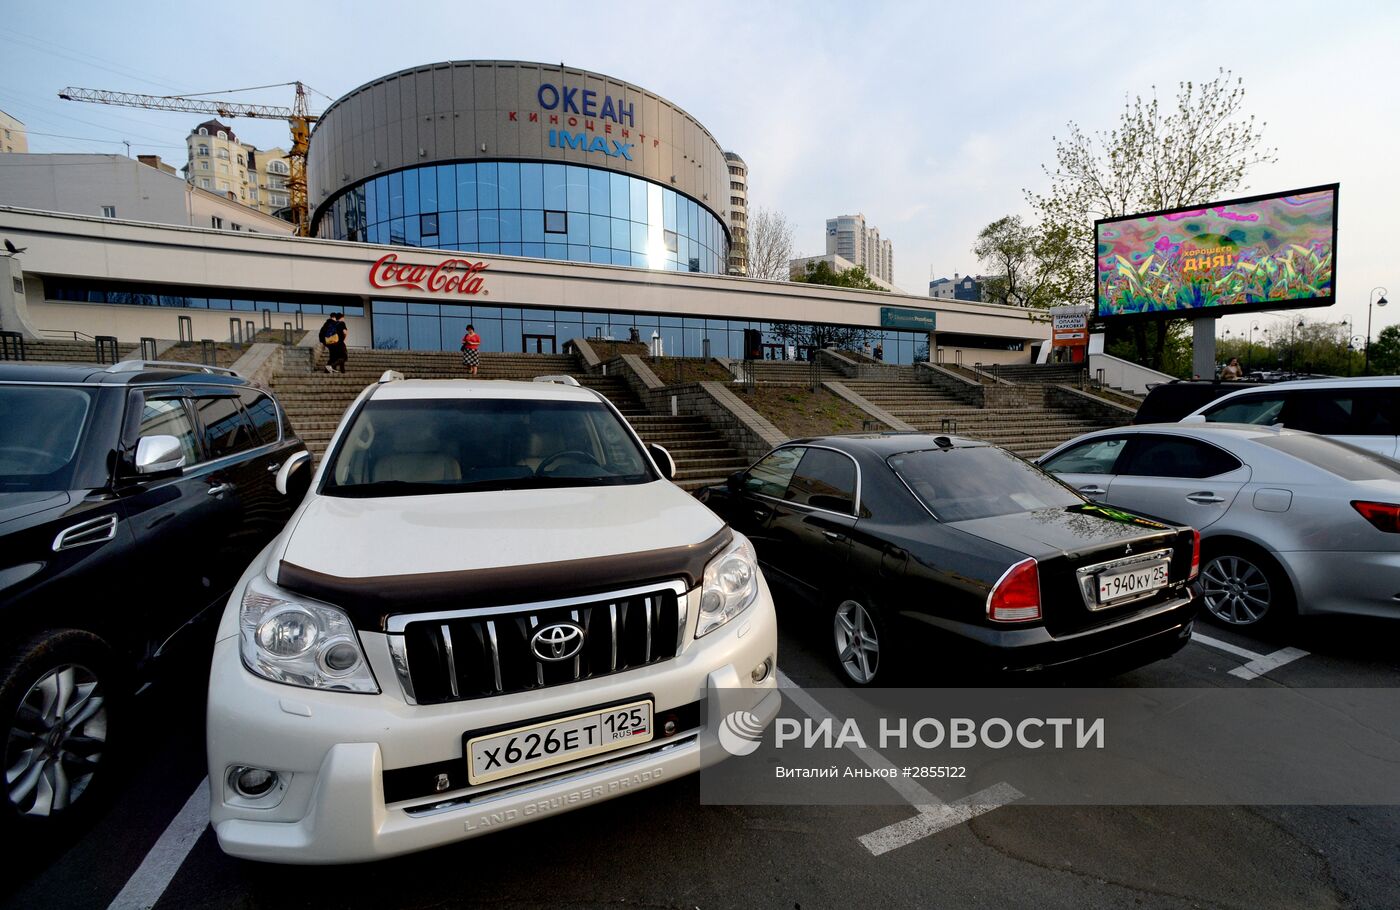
298	117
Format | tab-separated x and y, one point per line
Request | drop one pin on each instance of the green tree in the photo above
1026	262
1153	159
821	272
1385	351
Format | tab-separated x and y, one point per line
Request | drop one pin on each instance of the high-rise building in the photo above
220	163
848	237
13	136
738	214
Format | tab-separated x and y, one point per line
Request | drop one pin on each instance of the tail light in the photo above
1384	515
1016	597
1195	555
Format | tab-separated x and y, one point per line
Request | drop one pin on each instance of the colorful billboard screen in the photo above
1261	253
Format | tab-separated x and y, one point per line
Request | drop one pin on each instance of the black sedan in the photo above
1007	568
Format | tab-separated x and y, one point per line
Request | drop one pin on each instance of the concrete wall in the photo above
1124	374
460	111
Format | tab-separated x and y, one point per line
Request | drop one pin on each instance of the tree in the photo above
820	272
1385	351
1151	160
1025	262
770	245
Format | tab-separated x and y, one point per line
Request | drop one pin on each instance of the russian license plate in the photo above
523	749
1133	582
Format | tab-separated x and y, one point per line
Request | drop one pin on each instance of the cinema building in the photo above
538	202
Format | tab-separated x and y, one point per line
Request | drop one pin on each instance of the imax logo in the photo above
559	139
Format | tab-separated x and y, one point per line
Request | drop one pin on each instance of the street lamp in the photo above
1249	358
1371	301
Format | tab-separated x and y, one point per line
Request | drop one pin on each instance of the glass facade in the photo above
545	211
400	325
67	290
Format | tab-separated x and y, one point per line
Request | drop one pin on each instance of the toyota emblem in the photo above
556	642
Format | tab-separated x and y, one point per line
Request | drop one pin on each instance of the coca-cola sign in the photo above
450	276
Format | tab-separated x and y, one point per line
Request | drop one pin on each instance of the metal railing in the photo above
11	346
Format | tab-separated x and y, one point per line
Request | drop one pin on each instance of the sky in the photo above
931	119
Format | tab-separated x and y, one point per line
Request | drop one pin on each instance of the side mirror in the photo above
1193	418
735	482
158	454
289	467
663	460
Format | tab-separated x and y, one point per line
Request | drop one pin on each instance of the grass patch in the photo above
801	412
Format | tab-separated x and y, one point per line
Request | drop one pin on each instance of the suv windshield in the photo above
39	446
961	484
451	445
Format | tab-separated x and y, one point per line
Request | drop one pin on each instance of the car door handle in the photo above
760	514
272	468
220	489
1092	491
833	535
1204	498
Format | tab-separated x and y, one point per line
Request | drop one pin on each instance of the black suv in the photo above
131	499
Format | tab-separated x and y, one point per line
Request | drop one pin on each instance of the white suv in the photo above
492	606
1364	411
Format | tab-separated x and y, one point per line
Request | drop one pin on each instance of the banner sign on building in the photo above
1260	253
905	318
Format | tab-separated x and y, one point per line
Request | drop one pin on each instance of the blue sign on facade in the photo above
892	317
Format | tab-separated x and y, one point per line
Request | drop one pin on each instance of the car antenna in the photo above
943	442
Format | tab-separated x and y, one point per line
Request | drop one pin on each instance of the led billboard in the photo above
1261	253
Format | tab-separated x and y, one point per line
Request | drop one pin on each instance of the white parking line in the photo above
1259	664
153	876
934	814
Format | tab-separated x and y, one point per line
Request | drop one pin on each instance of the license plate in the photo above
1134	582
529	748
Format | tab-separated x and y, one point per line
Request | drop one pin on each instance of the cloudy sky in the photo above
930	118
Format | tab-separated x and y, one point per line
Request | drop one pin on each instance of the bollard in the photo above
186	329
148	349
208	354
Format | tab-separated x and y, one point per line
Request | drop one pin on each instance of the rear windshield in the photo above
40	427
961	484
444	445
1347	462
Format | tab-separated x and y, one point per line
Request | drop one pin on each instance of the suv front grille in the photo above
445	657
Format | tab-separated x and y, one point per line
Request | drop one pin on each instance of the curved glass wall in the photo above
401	325
546	211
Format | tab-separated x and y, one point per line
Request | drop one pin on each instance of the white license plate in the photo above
1133	582
523	749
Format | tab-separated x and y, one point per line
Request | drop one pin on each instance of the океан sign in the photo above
892	317
450	276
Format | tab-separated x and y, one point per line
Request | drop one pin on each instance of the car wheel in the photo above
860	643
57	702
1241	587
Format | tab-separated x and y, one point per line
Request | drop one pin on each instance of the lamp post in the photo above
1249	357
1352	344
1293	348
1371	301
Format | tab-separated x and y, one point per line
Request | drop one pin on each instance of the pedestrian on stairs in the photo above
333	335
471	349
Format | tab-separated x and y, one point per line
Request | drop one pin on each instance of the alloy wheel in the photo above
857	643
1236	591
57	737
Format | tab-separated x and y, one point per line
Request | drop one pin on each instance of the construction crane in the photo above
298	117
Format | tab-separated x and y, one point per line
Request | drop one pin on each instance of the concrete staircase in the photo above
789	372
315	401
1040	373
1028	432
51	351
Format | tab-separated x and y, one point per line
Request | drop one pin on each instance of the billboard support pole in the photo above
1202	346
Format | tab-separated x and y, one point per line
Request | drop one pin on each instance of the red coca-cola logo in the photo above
450	276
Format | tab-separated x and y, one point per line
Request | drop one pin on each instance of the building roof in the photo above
213	126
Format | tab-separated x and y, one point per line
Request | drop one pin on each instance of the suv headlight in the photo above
730	585
300	642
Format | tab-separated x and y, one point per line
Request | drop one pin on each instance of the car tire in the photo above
60	704
1242	586
860	642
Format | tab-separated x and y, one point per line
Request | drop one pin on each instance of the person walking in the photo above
334	332
879	352
1232	370
471	350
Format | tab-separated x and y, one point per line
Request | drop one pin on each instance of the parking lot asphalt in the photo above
662	848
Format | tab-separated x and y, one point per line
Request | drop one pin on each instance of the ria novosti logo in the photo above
741	733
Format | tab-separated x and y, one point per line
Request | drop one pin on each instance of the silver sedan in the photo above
1290	522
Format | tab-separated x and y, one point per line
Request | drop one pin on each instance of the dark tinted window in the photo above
226	428
962	484
1174	456
263	412
1170	402
1347	462
169	417
824	480
1097	456
1343	412
1265	409
771	474
39	432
